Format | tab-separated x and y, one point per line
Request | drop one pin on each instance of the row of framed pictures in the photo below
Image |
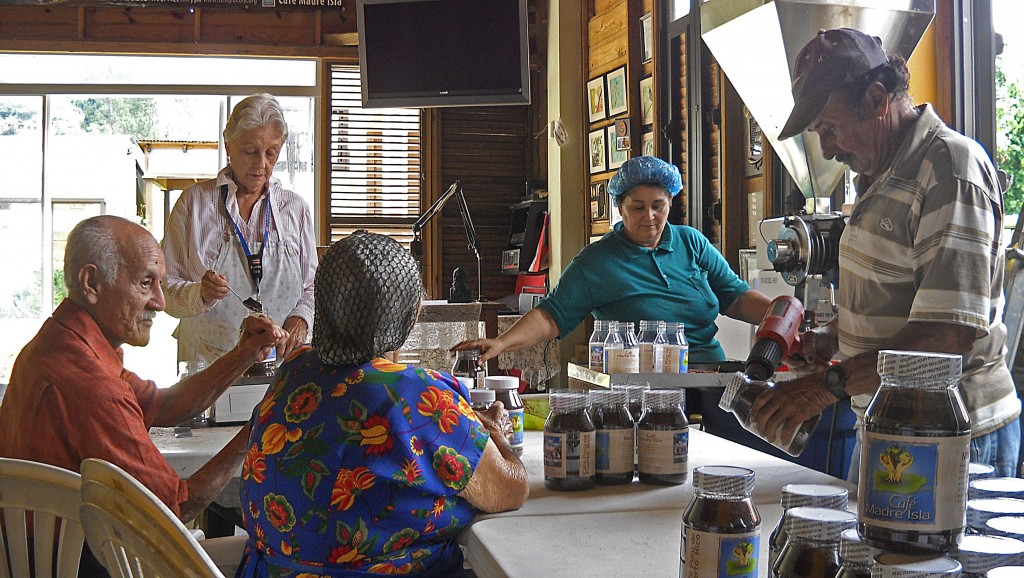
606	96
609	146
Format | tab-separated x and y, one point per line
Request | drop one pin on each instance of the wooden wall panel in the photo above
139	25
37	22
271	27
609	42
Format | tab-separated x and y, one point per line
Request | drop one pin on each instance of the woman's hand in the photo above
489	348
297	331
213	287
496	420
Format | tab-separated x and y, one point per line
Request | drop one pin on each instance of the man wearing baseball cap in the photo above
920	260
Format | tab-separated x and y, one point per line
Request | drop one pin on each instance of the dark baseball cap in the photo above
830	60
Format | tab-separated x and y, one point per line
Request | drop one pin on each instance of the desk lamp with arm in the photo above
416	245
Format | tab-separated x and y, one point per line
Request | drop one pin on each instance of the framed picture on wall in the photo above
647	37
596	99
615	156
647	144
616	81
599	201
597	152
647	100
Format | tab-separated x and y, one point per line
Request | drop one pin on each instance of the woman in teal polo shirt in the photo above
644	268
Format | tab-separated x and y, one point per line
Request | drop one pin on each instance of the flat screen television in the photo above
428	53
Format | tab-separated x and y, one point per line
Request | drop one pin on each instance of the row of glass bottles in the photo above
659	347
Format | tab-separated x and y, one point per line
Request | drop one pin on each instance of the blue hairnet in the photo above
643	170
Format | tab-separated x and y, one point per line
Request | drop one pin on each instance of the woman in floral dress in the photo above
358	465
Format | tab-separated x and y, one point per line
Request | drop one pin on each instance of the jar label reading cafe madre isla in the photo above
720	555
913	485
663	451
568	455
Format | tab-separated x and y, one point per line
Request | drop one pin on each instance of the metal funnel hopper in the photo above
756	42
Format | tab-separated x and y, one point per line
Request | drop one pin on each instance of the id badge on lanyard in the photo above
254	261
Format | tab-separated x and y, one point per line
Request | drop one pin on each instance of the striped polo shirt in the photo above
923	244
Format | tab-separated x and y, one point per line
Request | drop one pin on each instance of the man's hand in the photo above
259	336
213	287
789	404
297	330
817	347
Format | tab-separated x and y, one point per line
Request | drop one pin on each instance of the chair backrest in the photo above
132	533
50	497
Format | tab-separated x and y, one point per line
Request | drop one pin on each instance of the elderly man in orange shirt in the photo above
71	398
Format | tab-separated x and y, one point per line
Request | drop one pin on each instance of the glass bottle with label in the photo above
913	464
739	397
615	431
651	341
467	364
597	339
621	354
812	550
857	557
677	350
569	437
663	438
721	527
804	495
506	390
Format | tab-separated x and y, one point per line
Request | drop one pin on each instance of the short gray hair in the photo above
258	110
93	242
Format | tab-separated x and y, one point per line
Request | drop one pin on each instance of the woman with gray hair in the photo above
240	233
358	465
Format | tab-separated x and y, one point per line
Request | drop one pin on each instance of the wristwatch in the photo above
835	382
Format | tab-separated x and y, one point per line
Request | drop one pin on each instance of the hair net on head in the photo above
645	170
368	292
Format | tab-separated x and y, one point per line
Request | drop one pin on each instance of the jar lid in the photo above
983	509
635	391
728	399
976	471
891	565
852	548
819	524
567	401
729	480
997	488
1009	526
978	554
606	397
939	367
501	382
468	353
661	397
815	495
481	396
1006	572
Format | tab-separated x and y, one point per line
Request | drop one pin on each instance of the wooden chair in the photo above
132	533
51	496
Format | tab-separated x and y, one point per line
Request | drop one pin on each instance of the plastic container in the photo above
616	437
913	464
804	495
677	350
597	338
569	439
856	556
812	550
979	554
721	531
898	565
621	353
651	341
738	398
980	511
506	390
481	399
663	437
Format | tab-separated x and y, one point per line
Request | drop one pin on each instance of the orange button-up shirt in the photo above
70	398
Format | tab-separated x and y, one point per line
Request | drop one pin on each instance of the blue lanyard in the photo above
255	262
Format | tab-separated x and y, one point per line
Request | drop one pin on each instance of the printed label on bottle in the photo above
706	554
568	454
613	453
516	416
652	357
677	359
914	483
662	451
622	360
597	357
